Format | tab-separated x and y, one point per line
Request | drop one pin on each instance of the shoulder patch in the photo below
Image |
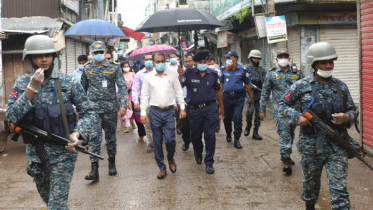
272	68
14	94
288	95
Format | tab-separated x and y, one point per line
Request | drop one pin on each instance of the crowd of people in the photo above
167	94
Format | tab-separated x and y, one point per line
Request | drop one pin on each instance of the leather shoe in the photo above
237	144
172	166
210	169
198	157
185	147
229	139
179	132
217	130
161	174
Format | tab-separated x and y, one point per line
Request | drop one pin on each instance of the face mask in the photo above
283	62
81	67
173	60
99	57
202	67
325	74
160	66
167	60
255	63
126	69
148	64
211	67
229	62
48	72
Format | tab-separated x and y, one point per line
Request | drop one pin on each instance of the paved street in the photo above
250	178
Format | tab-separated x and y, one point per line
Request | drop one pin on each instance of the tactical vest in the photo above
257	81
325	110
49	118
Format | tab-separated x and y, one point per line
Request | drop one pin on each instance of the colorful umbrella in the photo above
138	54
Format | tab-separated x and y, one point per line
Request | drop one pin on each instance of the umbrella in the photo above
94	28
179	19
130	33
138	54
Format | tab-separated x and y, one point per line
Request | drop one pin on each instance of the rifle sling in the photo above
62	105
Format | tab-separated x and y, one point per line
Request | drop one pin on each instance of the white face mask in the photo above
325	74
283	62
126	69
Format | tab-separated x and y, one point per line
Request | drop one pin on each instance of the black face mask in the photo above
47	72
254	63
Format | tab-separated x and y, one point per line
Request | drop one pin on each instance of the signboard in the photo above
260	25
222	39
222	9
276	29
321	18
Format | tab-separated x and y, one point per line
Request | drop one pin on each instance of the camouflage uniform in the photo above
334	157
259	73
278	82
105	101
53	177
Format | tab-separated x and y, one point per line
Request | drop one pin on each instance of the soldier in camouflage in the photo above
99	79
36	92
278	81
330	99
257	75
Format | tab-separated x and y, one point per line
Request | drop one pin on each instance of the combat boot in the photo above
287	166
247	129
237	143
93	175
291	161
256	135
112	169
310	206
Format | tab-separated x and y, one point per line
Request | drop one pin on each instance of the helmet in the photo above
321	51
255	54
90	58
38	44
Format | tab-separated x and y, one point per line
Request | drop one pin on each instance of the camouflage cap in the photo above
98	46
282	51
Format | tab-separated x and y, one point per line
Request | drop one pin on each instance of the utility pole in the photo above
270	13
112	11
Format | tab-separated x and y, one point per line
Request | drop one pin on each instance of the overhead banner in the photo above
276	29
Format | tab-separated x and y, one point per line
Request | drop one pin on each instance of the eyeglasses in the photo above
97	52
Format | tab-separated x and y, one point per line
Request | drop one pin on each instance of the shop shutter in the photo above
262	46
366	11
294	44
71	57
344	38
62	57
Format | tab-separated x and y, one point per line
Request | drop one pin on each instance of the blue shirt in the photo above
233	79
200	89
77	75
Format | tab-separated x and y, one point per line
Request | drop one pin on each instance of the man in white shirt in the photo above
82	59
158	90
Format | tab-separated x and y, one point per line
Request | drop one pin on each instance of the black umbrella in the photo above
179	19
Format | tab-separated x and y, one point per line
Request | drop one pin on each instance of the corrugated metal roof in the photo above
35	23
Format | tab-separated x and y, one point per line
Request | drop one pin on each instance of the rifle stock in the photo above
334	135
40	137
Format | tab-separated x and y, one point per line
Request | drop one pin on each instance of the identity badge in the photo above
104	83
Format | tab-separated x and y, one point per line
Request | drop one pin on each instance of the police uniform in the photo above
99	82
279	82
201	101
53	177
324	100
257	76
233	97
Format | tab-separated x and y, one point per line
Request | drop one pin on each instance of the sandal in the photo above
134	126
127	130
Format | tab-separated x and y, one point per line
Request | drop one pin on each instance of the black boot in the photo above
287	166
112	169
291	161
237	143
256	135
247	129
93	175
310	206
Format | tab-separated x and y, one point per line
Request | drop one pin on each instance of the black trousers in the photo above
140	127
185	127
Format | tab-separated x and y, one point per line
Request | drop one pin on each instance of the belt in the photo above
202	105
163	109
233	93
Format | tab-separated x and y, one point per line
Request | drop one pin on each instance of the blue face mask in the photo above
81	66
173	60
99	57
202	67
160	66
148	64
229	62
167	60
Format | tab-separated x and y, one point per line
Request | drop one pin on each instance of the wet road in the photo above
250	178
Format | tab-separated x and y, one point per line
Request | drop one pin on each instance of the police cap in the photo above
282	52
231	53
201	55
98	46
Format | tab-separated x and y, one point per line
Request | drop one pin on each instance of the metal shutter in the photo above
294	44
71	57
62	57
344	38
366	30
262	46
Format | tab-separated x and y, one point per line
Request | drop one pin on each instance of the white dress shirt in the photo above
160	91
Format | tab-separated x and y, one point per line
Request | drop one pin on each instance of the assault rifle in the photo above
334	135
255	87
40	137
